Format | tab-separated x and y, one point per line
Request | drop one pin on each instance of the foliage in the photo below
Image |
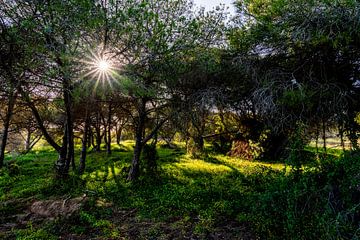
318	204
300	55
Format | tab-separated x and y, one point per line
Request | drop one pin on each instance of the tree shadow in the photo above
170	155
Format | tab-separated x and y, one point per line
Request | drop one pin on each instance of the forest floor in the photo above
216	197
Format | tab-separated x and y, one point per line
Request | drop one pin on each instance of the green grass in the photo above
201	196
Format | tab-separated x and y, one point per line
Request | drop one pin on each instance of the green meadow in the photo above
215	197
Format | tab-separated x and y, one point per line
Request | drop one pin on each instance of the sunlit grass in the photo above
201	165
106	174
36	169
245	165
200	191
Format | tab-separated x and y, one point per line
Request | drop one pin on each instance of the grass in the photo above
187	197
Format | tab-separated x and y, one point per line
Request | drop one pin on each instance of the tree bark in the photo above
140	126
67	152
98	136
352	129
9	113
84	146
61	163
108	145
324	135
28	140
317	139
341	134
69	124
196	146
118	135
71	152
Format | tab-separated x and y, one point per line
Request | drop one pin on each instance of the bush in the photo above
321	204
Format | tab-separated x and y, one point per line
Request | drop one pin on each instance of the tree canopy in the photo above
91	70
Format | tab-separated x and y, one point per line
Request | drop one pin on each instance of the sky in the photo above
210	4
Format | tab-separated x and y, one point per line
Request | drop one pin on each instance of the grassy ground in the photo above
216	197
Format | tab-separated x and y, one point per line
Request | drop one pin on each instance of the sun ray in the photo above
99	68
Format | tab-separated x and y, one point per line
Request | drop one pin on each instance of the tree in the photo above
57	29
11	58
150	36
303	56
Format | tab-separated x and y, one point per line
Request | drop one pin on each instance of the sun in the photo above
103	66
100	68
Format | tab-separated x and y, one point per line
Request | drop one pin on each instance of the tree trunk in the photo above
91	138
25	96
352	129
61	168
4	138
98	136
108	145
135	164
71	152
69	126
28	140
118	135
341	134
317	139
30	143
324	134
66	156
196	146
84	146
105	135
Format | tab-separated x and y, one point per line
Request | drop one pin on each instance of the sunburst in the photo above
100	68
103	66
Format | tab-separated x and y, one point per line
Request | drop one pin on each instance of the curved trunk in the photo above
25	96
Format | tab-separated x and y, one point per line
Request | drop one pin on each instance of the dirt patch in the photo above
15	214
125	222
52	209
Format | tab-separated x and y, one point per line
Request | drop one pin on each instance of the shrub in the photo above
320	204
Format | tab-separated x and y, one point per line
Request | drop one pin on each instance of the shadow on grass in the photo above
168	155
